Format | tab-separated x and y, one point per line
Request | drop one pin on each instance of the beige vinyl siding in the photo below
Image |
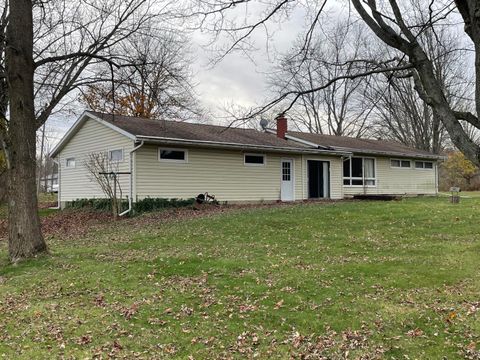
92	137
219	172
336	173
399	181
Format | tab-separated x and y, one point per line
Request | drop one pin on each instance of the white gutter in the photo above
219	144
130	199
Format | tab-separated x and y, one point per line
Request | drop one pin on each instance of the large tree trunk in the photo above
25	237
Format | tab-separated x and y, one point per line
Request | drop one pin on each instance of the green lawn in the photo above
42	199
466	194
394	280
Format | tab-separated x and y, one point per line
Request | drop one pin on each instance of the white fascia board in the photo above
397	154
218	144
78	123
359	151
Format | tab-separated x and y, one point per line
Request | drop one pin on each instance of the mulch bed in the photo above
69	224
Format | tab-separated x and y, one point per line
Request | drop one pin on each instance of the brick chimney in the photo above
281	126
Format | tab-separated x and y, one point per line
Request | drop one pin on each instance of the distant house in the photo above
170	159
49	183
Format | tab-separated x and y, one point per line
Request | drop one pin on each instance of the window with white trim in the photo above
254	159
359	171
397	163
286	171
427	165
115	155
70	162
173	155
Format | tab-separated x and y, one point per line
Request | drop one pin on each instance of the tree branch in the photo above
468	117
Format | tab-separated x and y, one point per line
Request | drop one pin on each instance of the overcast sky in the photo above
237	80
240	79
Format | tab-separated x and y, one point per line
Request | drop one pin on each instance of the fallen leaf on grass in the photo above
247	308
84	340
415	332
186	310
99	301
130	311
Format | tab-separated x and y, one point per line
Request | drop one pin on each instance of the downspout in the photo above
130	199
59	184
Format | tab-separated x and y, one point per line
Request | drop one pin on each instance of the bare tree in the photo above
336	110
158	86
399	26
104	172
46	167
49	48
400	113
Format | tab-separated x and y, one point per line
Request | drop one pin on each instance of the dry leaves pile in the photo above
69	224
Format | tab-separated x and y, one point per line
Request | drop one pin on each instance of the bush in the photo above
94	204
145	205
153	204
458	171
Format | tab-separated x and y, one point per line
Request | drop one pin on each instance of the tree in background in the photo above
340	109
46	166
401	115
49	50
458	171
158	86
398	25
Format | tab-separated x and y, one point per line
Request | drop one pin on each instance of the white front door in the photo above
287	181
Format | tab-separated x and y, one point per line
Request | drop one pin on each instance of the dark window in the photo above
346	168
356	168
400	163
254	159
395	163
423	165
177	155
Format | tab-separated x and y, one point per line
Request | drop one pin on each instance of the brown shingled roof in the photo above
142	127
357	145
148	128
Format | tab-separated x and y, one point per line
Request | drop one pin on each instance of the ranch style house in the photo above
169	159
